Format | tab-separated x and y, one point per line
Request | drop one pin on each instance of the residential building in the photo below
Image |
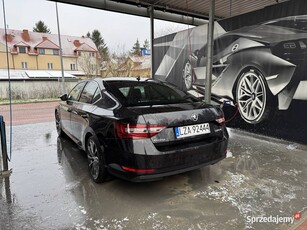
31	51
35	64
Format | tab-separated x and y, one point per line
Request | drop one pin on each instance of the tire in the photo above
255	101
187	76
96	160
58	124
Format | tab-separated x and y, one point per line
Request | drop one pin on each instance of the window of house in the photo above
24	65
56	52
50	65
92	54
22	49
79	53
41	51
72	66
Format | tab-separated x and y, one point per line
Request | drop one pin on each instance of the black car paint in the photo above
161	152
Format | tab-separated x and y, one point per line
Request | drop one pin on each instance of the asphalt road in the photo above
28	113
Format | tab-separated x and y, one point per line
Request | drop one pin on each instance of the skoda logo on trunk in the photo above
194	117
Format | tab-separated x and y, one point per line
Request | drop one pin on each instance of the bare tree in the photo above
88	62
118	65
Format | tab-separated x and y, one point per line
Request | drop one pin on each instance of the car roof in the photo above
123	79
126	79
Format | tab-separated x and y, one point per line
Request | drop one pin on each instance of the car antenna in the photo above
138	78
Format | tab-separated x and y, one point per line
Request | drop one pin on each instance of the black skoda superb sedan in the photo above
141	129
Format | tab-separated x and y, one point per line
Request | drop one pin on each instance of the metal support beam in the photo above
209	53
152	29
61	53
171	15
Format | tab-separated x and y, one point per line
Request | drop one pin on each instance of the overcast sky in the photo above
119	31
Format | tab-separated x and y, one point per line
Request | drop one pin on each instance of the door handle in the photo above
84	115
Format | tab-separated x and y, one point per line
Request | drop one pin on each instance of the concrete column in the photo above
61	52
151	13
209	53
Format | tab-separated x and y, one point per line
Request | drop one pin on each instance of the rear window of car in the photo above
131	93
294	23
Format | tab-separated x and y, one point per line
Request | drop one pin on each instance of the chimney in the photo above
25	35
9	37
77	43
44	38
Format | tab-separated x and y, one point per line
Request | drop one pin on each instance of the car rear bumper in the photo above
170	163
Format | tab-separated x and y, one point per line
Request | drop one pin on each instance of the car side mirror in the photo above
64	97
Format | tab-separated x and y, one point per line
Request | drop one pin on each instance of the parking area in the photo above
50	188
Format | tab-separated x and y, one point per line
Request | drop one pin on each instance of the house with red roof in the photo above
35	55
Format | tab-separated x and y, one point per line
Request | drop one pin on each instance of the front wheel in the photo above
253	98
58	124
96	160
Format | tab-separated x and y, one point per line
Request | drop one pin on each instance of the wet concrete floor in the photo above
50	188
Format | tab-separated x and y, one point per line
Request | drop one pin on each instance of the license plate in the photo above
192	130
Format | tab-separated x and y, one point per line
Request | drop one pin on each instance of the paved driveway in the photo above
50	188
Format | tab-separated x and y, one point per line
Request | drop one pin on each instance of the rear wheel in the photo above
96	160
255	102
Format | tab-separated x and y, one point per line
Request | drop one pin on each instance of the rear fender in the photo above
277	72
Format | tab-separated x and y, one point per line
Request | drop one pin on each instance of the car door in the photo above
67	106
82	109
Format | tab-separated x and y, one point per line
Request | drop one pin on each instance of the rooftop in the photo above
34	40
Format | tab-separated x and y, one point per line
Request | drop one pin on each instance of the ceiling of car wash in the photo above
194	12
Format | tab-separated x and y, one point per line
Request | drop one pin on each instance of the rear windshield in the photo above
134	93
290	23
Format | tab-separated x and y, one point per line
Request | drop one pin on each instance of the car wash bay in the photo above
50	188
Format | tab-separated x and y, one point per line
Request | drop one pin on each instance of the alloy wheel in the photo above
187	75
58	123
93	158
251	96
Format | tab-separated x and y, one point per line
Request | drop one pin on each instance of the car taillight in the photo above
138	170
220	120
137	131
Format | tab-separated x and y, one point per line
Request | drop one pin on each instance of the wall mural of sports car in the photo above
259	68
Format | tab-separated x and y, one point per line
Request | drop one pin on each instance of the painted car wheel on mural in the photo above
187	75
253	98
